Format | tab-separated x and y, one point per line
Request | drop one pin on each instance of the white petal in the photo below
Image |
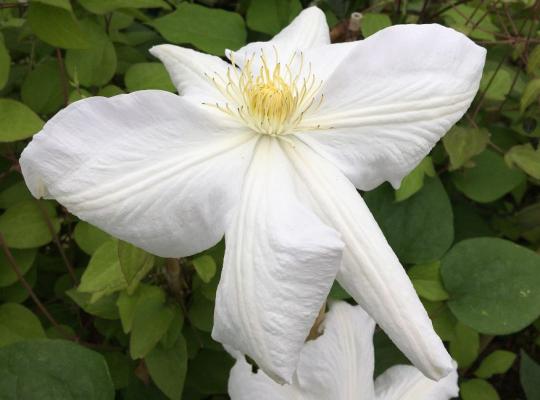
308	30
192	71
149	167
391	98
339	364
246	385
404	382
371	272
279	264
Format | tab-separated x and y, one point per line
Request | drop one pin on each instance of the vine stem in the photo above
56	240
17	270
63	79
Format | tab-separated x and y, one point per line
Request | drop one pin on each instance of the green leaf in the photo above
530	94
496	83
526	158
489	180
53	369
529	373
17	121
419	229
494	284
144	76
17	293
135	263
24	227
65	32
413	182
462	144
372	23
14	194
168	368
271	16
426	279
89	238
497	362
478	389
110	90
104	7
126	306
120	367
151	320
211	30
205	266
65	4
104	307
473	21
337	292
96	65
5	63
533	62
24	259
210	380
42	88
18	323
201	312
444	322
103	275
465	345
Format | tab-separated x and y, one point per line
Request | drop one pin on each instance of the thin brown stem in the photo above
483	94
17	270
56	240
13	5
63	78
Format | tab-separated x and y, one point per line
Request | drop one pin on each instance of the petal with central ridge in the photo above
339	364
404	382
308	30
388	99
280	262
148	167
370	272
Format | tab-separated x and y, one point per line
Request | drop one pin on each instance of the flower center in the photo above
270	100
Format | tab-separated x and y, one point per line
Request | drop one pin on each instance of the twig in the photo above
16	269
483	94
56	240
13	5
443	10
423	11
63	78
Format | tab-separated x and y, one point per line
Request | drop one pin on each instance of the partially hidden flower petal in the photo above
388	99
308	30
404	382
280	262
370	271
147	167
244	384
339	364
192	71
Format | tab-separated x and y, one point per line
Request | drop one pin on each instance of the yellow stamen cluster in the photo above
270	100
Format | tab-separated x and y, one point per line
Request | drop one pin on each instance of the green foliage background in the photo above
84	316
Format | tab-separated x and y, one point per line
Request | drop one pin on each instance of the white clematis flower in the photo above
339	366
268	150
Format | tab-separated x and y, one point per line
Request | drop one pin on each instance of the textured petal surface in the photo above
246	385
280	261
370	272
191	71
404	382
148	167
390	98
308	30
339	364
